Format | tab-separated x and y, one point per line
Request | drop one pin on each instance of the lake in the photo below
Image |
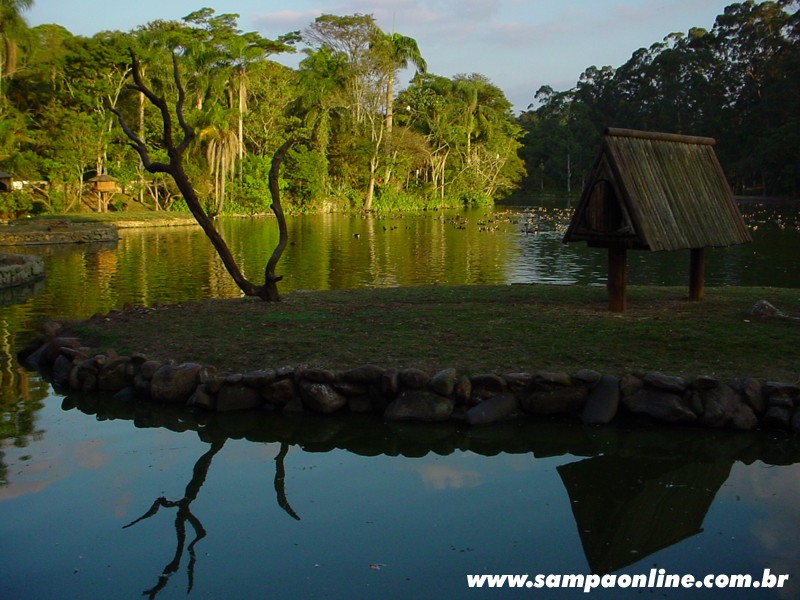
102	499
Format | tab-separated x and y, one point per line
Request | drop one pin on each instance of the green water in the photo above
100	499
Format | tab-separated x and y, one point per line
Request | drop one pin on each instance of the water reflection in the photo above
633	491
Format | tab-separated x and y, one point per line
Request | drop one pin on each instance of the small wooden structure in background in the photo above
656	191
103	185
5	182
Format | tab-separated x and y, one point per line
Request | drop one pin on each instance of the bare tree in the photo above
175	152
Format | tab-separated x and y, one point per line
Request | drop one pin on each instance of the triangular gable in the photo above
670	190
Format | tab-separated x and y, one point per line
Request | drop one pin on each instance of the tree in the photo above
175	151
12	27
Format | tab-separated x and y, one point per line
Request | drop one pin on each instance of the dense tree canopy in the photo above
362	141
738	83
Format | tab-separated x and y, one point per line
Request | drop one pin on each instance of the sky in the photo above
519	45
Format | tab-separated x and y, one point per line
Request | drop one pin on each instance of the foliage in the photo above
738	83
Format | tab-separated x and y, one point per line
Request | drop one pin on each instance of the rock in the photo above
233	379
753	395
280	392
315	375
207	374
630	384
202	397
29	349
61	370
321	397
667	383
419	405
546	377
780	394
390	383
496	408
744	419
83	376
486	385
175	383
764	309
126	394
52	350
360	404
463	390
364	374
351	389
777	417
603	402
519	383
148	368
659	405
587	376
238	397
796	421
555	401
115	375
705	383
294	407
413	379
444	382
719	406
284	372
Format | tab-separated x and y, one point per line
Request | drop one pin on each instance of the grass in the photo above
496	329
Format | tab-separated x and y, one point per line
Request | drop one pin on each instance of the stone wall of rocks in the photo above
59	233
17	269
415	395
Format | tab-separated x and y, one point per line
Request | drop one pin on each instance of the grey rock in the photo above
752	390
114	375
364	374
413	379
360	404
419	405
491	410
444	382
463	390
486	385
294	407
321	397
547	377
390	383
777	417
744	419
148	368
519	383
667	383
780	394
603	402
350	389
630	384
62	367
315	375
233	379
202	397
719	406
705	383
238	397
175	383
260	378
556	401
588	376
280	392
659	405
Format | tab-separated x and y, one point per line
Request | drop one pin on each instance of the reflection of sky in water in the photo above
426	522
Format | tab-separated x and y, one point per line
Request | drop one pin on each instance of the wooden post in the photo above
697	274
617	278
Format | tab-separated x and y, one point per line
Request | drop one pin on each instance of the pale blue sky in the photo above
519	45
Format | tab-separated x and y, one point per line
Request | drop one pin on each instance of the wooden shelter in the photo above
104	186
5	182
655	191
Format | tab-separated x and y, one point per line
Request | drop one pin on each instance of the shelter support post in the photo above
697	274
617	278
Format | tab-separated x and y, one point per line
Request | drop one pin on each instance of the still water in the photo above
106	500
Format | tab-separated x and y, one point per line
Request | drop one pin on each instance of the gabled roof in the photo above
657	191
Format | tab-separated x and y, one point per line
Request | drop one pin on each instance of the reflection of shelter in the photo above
5	182
655	191
627	508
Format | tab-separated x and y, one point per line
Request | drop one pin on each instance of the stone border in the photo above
18	269
415	395
59	232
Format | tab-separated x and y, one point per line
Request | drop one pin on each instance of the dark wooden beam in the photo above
617	278
697	272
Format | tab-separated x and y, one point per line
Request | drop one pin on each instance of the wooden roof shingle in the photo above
667	192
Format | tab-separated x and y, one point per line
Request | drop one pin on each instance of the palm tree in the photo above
400	51
12	27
